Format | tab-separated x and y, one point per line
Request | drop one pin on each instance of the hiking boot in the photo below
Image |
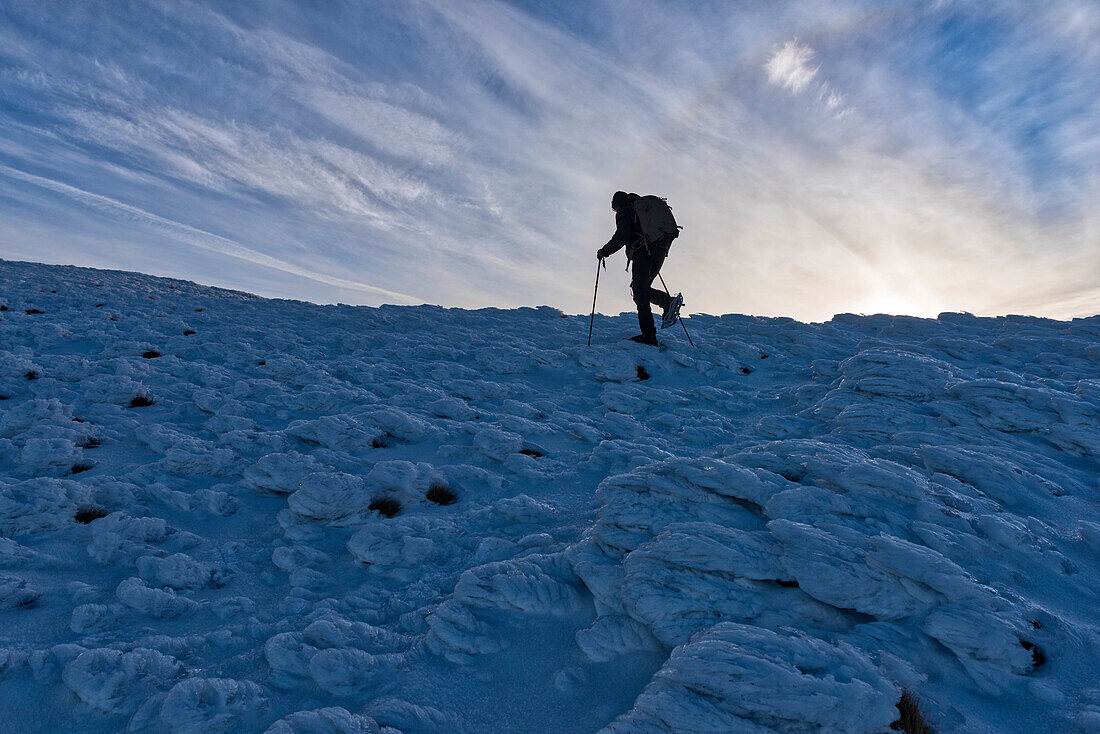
645	339
672	312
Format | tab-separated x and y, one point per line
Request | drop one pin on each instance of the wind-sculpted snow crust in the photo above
222	513
744	678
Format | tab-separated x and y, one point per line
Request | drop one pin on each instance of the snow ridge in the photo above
224	513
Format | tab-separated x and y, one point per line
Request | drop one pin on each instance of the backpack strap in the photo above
641	240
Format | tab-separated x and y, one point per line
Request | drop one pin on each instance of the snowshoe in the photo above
672	313
643	339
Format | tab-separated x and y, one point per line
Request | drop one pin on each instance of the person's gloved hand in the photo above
599	254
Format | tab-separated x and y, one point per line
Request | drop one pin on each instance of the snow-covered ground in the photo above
778	530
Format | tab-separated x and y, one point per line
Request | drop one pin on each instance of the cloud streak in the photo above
196	237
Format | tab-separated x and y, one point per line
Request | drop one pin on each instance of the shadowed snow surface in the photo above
220	513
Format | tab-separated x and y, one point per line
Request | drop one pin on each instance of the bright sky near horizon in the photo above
823	157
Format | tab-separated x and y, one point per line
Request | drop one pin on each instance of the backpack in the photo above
655	221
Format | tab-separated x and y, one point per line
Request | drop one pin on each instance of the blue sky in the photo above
823	157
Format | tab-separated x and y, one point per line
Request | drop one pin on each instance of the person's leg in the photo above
640	287
659	297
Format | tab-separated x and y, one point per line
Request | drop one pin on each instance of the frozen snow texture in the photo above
279	473
159	603
516	586
35	505
121	538
738	678
115	682
16	592
340	519
613	635
207	705
180	571
333	720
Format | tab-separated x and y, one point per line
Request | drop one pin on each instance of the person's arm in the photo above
624	231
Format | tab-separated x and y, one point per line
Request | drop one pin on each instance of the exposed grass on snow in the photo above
386	506
911	719
89	513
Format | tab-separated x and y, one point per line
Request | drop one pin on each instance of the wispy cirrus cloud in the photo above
196	237
823	157
790	66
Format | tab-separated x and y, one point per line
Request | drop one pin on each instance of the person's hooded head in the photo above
621	199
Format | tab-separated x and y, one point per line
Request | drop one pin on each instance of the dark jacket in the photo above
626	233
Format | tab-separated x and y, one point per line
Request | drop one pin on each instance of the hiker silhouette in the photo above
646	255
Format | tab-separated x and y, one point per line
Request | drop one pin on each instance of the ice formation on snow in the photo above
330	519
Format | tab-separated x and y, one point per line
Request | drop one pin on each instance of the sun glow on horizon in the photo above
895	305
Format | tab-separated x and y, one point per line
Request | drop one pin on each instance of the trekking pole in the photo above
677	318
596	290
